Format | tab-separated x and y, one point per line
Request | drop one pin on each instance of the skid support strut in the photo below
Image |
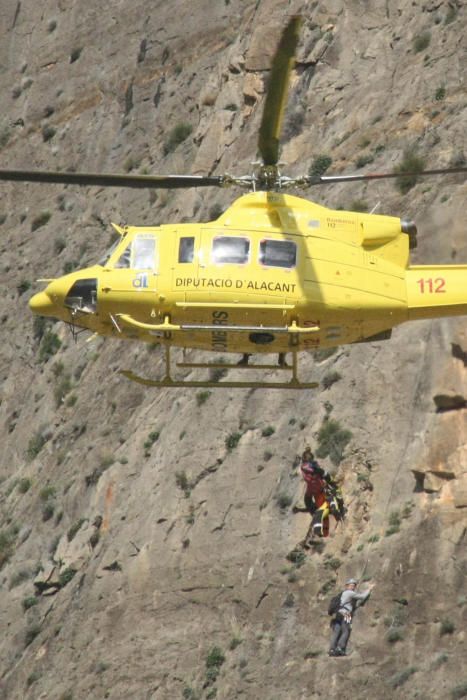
168	381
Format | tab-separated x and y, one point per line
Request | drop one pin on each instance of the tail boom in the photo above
436	290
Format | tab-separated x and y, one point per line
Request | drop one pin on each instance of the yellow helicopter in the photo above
273	274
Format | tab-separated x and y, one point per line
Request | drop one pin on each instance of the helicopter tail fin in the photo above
436	290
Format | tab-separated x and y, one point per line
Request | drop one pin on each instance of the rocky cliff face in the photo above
145	536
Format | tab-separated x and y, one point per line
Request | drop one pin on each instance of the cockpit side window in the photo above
140	254
230	249
274	253
144	252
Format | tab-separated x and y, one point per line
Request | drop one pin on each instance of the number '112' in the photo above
432	286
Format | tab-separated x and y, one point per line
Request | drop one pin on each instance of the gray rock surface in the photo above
183	545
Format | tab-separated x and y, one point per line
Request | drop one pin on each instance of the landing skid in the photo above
168	381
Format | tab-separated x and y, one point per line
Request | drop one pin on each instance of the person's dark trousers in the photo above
309	504
340	634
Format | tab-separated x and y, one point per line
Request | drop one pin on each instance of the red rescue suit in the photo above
315	498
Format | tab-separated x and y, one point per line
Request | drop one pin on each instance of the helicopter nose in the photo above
41	304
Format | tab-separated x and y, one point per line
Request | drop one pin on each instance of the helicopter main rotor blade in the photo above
276	98
329	179
111	180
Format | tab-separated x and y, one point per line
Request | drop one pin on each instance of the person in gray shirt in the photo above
341	624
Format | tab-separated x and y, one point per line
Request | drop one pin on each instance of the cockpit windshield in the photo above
109	252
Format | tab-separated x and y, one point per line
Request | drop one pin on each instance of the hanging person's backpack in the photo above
334	604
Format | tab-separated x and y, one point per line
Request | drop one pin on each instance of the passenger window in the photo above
278	253
144	252
230	249
186	249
